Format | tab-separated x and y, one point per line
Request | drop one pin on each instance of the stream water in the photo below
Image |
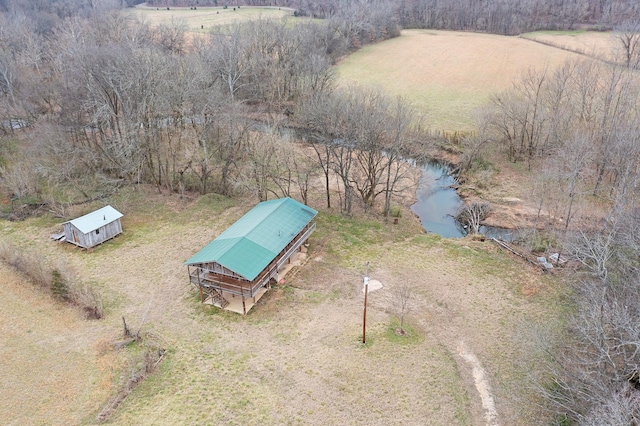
438	202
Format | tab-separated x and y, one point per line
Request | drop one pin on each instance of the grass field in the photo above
297	357
205	18
602	45
449	75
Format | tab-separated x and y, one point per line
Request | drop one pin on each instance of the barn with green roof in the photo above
237	267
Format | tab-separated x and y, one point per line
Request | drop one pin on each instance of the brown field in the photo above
449	75
203	19
297	357
601	45
51	372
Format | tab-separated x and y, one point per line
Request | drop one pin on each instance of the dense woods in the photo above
494	16
576	128
91	100
106	100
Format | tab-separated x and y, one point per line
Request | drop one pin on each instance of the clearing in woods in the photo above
297	357
202	19
449	75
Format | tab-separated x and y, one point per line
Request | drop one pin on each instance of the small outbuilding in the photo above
237	267
94	228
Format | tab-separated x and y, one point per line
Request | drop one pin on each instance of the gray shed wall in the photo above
93	238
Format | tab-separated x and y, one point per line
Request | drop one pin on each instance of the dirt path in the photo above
482	384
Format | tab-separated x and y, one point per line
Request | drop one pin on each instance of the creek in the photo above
438	202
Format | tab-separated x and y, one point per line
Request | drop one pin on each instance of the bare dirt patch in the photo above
482	385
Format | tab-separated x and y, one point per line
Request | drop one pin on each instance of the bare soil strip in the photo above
482	384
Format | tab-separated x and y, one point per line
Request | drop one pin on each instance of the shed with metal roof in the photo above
242	261
93	228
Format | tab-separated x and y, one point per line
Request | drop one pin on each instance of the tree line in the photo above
577	128
493	16
106	101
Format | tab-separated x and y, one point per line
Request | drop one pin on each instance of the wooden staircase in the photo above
217	299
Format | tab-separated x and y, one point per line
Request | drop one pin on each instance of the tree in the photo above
230	59
172	36
571	166
471	215
406	138
403	300
628	34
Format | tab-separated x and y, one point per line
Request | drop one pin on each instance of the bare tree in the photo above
172	36
628	34
471	215
403	301
230	59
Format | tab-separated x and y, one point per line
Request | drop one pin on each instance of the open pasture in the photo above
205	18
601	45
52	372
297	357
448	75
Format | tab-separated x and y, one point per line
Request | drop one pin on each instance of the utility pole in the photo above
366	291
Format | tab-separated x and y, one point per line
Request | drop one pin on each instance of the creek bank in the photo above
439	196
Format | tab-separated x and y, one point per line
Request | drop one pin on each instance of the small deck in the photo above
235	302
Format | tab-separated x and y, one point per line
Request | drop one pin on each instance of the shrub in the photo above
75	291
59	287
395	211
62	280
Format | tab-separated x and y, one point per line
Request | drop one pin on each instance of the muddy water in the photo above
438	202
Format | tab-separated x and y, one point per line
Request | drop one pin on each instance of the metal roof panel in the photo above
254	240
97	219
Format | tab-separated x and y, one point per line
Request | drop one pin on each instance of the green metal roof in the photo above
250	244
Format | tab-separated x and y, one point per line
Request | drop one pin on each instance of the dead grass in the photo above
50	372
447	74
597	44
59	280
297	357
203	19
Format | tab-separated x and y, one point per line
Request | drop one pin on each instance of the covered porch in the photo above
240	296
235	269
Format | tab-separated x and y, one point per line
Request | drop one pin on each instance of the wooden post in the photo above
201	294
364	317
244	308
